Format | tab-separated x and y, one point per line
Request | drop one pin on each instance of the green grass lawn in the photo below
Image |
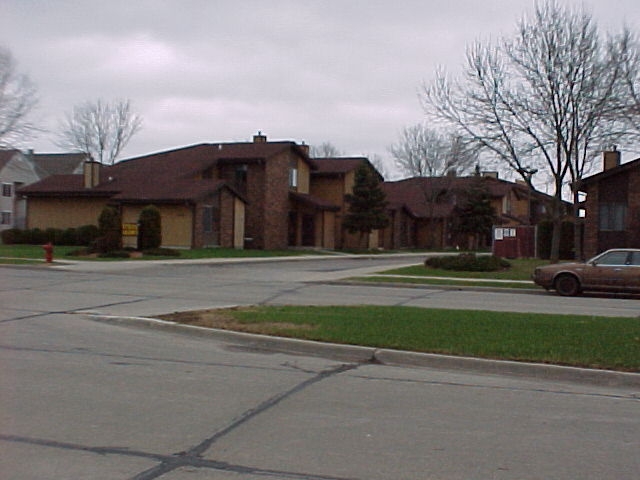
60	253
31	251
521	269
444	281
596	342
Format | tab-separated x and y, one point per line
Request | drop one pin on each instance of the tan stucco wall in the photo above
63	213
329	188
303	176
238	223
329	223
177	224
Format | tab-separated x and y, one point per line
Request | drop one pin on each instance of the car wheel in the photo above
567	285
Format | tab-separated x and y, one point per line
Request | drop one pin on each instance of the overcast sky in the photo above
339	71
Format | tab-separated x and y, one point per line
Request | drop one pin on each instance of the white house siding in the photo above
17	172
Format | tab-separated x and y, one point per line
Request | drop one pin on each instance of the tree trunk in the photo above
577	227
557	227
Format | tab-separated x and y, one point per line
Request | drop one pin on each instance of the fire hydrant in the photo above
48	252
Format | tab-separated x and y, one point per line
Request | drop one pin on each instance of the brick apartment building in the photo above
253	194
612	206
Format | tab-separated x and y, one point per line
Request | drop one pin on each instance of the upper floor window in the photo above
240	177
612	217
7	189
293	174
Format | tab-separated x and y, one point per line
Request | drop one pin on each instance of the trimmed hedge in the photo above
149	228
81	236
468	262
162	252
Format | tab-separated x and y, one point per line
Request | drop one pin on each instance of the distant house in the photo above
18	169
15	171
254	194
332	180
422	210
612	205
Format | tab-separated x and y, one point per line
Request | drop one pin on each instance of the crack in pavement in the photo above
118	356
193	456
77	310
280	293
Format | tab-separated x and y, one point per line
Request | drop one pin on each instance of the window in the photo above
240	177
6	218
210	216
7	189
614	258
207	219
293	174
612	217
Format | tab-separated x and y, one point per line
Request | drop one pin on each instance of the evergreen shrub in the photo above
149	228
468	262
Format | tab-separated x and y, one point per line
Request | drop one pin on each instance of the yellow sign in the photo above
130	229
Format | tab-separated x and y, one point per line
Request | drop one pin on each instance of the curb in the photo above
359	354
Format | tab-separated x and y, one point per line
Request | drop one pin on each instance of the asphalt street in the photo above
86	394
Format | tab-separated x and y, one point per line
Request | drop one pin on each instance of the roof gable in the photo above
6	156
623	168
47	164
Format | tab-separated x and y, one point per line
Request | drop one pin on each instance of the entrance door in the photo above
308	231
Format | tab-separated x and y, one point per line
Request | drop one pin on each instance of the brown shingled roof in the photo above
47	164
6	156
161	177
416	194
338	165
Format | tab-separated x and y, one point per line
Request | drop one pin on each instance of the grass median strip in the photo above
595	342
441	281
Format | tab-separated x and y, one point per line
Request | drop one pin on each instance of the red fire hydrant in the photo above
48	252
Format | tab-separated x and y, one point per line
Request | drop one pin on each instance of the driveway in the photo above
81	398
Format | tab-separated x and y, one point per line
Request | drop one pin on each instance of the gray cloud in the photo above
344	71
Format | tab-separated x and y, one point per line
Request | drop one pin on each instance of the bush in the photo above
150	228
86	234
110	242
162	252
36	236
115	254
468	262
109	228
12	236
81	236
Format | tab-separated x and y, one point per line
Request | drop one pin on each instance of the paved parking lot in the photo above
81	398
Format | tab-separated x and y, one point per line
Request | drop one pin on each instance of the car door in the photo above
632	272
607	271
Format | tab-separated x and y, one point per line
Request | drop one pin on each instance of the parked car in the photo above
616	270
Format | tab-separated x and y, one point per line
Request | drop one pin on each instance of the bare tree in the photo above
379	164
325	150
17	99
100	129
423	152
547	98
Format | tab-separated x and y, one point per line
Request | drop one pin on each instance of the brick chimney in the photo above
259	138
611	158
91	171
